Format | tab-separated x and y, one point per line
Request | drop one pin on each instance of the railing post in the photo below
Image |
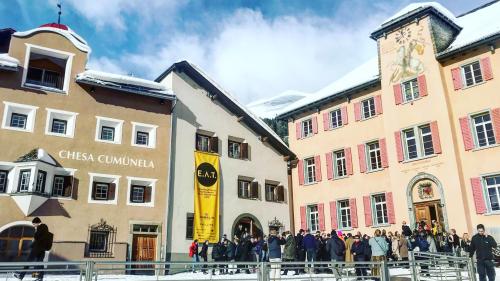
413	266
89	271
264	275
470	268
384	272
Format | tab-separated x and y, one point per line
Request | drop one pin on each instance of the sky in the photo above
254	49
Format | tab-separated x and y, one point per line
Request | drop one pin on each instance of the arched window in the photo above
15	243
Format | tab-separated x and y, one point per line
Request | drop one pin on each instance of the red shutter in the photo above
357	111
399	146
436	142
326	121
303	221
317	165
477	193
321	216
390	208
378	104
383	153
329	165
315	124
333	214
348	160
456	75
300	171
466	133
343	112
354	212
486	67
368	210
495	117
362	158
298	130
422	85
398	96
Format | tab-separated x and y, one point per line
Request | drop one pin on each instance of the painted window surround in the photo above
69	117
107	179
145	182
28	110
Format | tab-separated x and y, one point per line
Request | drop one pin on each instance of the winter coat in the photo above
193	249
40	240
358	251
465	245
237	252
395	248
230	251
432	244
289	250
406	230
246	249
336	248
403	247
379	246
204	251
348	246
218	252
309	242
483	245
274	245
299	247
422	244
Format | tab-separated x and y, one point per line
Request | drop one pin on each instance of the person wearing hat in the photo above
42	241
358	252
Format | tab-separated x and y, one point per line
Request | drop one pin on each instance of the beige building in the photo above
411	135
85	151
254	189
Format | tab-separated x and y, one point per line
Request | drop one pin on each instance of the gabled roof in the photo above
230	102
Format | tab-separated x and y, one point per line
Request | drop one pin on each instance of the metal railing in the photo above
421	266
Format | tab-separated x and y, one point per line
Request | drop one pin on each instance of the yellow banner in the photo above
206	197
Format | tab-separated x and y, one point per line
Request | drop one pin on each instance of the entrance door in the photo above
249	226
428	212
144	247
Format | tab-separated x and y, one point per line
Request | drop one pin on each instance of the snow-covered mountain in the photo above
269	108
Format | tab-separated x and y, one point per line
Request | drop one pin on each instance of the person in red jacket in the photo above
193	254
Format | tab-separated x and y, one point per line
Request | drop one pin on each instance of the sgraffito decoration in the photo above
410	48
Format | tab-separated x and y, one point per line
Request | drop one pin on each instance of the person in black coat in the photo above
300	252
358	252
219	255
483	244
204	254
40	244
405	230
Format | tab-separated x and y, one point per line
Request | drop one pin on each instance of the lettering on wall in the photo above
106	159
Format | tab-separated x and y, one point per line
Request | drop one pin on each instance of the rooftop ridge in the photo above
478	8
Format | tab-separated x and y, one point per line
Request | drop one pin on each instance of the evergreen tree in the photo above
280	127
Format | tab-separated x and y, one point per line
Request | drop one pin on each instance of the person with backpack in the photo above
42	241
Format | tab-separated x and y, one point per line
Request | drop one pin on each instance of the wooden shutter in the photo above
214	144
495	118
391	215
357	111
362	158
486	68
94	184
315	124
111	191
244	150
456	75
466	133
354	212
399	146
398	96
333	214
329	165
298	130
368	210
326	121
317	166
68	186
422	85
196	144
281	193
345	118
254	190
477	193
300	171
321	216
378	104
436	142
148	191
303	219
383	153
348	161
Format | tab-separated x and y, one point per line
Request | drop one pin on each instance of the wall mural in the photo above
410	48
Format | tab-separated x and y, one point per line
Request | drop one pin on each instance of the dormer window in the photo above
47	69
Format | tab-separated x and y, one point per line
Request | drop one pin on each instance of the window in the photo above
137	195
418	142
310	170
24	181
101	240
340	163
19	117
307	128
234	150
380	207
368	108
472	73
40	181
109	130
426	138
410	90
58	186
483	128
60	123
374	158
275	193
3	181
207	143
493	192
44	77
189	226
101	191
411	144
248	189
344	214
59	126
62	186
144	135
141	192
104	189
313	216
336	118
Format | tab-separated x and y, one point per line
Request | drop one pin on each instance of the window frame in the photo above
4	181
348	214
230	153
189	226
202	137
378	155
306	128
463	75
116	124
43	182
313	214
337	115
308	165
384	209
144	128
475	132
107	179
248	188
22	109
67	116
146	183
413	82
55	189
343	164
20	180
19	115
486	193
371	102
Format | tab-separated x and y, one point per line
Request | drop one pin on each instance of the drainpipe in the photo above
290	197
170	184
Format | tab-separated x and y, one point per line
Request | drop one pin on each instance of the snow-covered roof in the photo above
76	39
270	107
418	6
37	154
8	63
125	83
364	73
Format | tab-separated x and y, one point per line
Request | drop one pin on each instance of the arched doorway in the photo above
425	196
246	223
15	242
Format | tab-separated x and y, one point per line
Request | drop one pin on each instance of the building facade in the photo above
254	189
411	135
85	151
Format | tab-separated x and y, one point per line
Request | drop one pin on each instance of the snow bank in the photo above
8	61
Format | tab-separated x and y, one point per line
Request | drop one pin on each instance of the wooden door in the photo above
144	247
422	213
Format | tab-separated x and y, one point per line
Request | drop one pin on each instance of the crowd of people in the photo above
346	247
